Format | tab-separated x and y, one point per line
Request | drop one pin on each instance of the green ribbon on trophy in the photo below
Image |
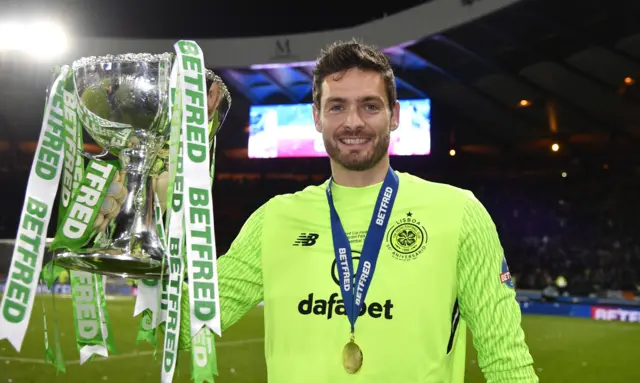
28	254
204	296
93	331
72	173
149	303
149	294
190	220
54	356
175	236
81	215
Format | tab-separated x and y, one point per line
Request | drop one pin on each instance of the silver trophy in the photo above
124	106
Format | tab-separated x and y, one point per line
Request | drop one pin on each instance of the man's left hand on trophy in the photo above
113	201
214	97
161	185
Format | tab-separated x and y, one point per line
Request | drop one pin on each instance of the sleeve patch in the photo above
505	275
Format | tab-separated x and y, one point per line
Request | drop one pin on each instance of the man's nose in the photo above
353	119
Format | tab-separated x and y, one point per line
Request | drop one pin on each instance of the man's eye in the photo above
371	107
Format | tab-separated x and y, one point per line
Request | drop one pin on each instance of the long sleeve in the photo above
240	272
487	304
239	278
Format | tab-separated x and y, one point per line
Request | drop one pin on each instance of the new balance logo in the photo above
306	239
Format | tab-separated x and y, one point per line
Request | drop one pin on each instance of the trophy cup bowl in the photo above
123	103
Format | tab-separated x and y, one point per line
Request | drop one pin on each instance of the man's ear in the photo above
395	116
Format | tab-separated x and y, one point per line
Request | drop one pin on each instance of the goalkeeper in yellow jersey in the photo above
373	275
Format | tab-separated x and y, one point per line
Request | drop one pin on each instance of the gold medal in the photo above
352	357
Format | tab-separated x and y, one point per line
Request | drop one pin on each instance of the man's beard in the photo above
355	161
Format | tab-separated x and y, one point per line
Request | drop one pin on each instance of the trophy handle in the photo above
92	156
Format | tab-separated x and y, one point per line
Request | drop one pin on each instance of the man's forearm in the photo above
487	301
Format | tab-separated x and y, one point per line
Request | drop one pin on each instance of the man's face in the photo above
354	118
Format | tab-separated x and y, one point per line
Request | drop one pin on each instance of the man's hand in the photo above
161	185
112	202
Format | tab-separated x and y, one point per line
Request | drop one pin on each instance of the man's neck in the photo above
361	178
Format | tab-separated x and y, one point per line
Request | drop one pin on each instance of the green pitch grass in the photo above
564	349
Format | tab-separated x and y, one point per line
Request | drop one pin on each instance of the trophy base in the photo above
112	262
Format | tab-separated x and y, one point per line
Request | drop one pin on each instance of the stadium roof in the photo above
525	76
518	79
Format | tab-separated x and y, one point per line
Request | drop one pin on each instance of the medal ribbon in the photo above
354	295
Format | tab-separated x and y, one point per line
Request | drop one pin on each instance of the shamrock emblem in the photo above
406	238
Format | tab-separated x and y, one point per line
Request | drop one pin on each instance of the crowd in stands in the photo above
584	229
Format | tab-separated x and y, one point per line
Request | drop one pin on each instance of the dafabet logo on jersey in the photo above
334	305
406	238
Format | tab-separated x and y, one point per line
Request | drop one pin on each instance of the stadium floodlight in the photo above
41	40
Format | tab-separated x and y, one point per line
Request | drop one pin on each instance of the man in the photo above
426	257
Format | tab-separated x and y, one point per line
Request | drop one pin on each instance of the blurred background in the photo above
531	104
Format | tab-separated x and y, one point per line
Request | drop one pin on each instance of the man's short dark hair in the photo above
340	57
